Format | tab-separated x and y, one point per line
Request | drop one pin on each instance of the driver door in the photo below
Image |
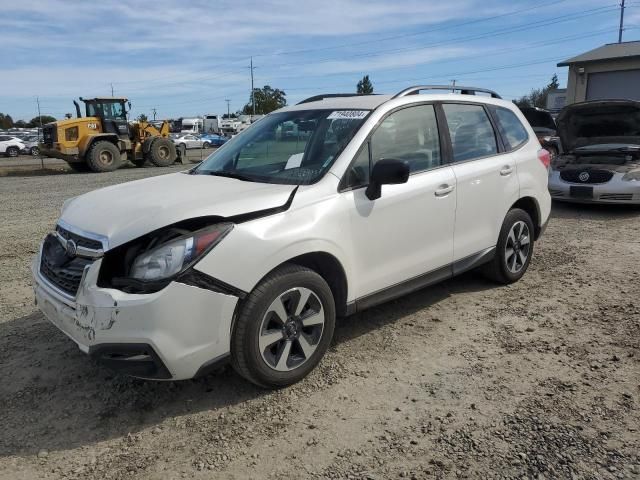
404	239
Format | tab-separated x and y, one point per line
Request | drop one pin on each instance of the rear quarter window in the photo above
514	134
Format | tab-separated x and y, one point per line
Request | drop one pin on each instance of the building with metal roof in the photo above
611	71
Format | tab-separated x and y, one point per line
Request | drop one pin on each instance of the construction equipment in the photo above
104	139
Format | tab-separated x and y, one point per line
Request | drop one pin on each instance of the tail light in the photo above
545	157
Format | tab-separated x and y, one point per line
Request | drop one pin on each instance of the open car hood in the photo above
127	211
599	122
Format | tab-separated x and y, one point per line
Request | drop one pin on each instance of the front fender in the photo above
253	249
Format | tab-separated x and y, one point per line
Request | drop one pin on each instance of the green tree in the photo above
267	100
142	117
538	96
35	121
365	86
21	124
6	121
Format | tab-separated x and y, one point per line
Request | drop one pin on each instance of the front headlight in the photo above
176	255
633	176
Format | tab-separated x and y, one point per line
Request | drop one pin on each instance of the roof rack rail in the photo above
453	88
315	98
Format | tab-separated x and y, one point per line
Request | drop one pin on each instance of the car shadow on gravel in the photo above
53	397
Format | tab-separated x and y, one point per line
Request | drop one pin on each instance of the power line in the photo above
412	34
492	33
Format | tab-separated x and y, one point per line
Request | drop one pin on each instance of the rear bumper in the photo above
55	151
615	191
174	334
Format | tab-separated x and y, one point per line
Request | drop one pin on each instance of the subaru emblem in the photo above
72	249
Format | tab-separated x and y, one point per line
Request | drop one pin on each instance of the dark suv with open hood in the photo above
601	159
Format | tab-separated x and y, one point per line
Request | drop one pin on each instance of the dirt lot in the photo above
464	380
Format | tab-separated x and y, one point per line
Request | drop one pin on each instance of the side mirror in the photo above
387	171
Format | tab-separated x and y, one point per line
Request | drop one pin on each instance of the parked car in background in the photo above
190	141
11	146
545	128
601	158
31	144
213	139
251	255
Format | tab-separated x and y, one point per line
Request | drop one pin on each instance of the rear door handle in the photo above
444	190
506	170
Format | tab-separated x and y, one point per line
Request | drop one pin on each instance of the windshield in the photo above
106	110
289	147
539	118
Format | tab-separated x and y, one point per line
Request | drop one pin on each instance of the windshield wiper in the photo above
231	174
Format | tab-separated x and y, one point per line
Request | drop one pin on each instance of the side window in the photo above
410	134
358	173
512	130
471	132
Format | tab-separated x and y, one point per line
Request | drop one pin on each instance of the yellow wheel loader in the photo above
103	139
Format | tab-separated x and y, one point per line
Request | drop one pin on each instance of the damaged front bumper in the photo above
175	333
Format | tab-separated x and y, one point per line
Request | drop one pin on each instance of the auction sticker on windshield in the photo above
348	114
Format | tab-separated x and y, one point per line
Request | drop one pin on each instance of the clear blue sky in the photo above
186	57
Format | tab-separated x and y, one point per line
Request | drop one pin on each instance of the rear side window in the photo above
471	132
513	132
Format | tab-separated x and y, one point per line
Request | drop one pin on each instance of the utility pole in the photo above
453	84
154	114
228	107
621	22
253	98
40	119
111	89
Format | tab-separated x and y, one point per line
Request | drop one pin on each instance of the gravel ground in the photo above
467	379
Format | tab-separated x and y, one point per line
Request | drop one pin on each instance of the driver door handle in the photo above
444	190
506	170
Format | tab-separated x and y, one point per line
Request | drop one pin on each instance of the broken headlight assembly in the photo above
149	264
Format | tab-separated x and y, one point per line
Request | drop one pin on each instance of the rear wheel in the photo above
206	145
284	327
103	156
514	249
12	151
162	152
35	151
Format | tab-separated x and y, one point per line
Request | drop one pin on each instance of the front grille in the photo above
616	196
49	134
79	241
594	176
59	269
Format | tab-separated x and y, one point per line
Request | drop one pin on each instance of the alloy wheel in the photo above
291	329
517	247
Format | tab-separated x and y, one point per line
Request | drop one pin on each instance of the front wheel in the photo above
514	249
284	327
162	152
206	145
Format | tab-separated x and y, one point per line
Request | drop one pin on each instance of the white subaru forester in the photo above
317	211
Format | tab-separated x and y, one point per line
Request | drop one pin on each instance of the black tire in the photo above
79	167
206	145
162	152
246	357
508	268
12	151
103	156
34	151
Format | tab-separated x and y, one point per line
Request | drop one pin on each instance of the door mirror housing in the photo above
387	171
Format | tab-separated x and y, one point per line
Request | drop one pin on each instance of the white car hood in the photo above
127	211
